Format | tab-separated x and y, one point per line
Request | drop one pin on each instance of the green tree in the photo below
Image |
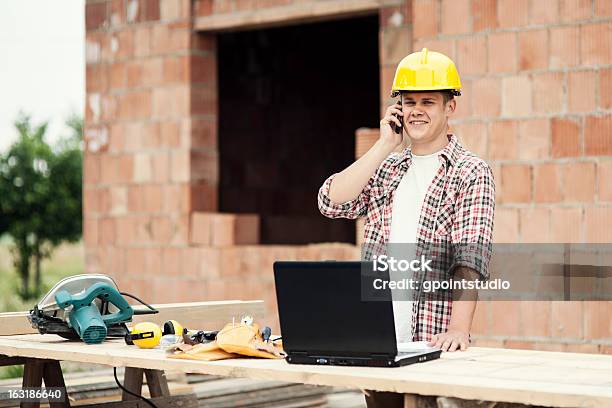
41	190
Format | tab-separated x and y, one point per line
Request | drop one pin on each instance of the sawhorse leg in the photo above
156	381
410	401
34	371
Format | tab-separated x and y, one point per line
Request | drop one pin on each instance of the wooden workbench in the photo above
528	377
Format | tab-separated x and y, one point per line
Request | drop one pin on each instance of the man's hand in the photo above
387	136
451	340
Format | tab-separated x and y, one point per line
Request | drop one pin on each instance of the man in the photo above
421	186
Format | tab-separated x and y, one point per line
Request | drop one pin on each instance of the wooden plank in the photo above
156	381
177	401
194	315
484	380
410	401
316	10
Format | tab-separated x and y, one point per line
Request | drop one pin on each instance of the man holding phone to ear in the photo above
418	185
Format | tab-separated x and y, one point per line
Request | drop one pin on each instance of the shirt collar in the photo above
450	152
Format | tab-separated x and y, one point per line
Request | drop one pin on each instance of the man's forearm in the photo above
350	182
464	302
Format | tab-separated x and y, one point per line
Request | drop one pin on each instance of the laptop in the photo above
324	321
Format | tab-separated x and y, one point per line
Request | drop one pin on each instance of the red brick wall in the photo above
536	78
537	81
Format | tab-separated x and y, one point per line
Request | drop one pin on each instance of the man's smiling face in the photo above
425	115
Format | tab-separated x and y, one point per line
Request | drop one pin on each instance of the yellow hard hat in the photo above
144	335
426	71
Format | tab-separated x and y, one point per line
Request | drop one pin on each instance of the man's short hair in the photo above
447	94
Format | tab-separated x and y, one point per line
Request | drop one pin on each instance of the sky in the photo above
42	65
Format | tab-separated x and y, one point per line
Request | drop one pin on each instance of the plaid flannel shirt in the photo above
455	225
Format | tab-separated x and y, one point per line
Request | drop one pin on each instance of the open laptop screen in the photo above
322	313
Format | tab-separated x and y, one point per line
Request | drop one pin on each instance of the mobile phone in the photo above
398	129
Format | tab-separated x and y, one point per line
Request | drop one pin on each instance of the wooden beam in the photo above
177	401
194	315
315	10
157	383
9	361
53	376
32	377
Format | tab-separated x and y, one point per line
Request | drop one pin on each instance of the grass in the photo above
67	260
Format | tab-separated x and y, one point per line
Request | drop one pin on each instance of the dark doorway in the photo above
290	100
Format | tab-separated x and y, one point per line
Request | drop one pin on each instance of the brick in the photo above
204	101
565	138
142	167
204	134
547	183
505	318
582	89
170	102
95	15
134	105
473	136
564	47
202	8
122	44
598	135
565	225
544	12
534	225
425	27
161	229
480	321
533	49
117	76
96	78
170	10
160	167
579	182
226	6
519	344
107	231
172	264
151	10
386	83
91	168
604	174
548	92
596	43
175	69
118	200
535	318
446	47
597	224
502	52
395	16
603	8
117	12
203	69
90	231
484	15
503	140
513	13
581	348
566	319
472	55
605	88
534	139
597	322
224	229
516	96
395	44
455	16
575	10
516	183
204	166
506	227
203	197
142	41
486	97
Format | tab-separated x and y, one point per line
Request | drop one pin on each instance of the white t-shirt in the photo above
407	204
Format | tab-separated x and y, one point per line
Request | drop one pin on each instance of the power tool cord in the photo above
130	392
141	301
